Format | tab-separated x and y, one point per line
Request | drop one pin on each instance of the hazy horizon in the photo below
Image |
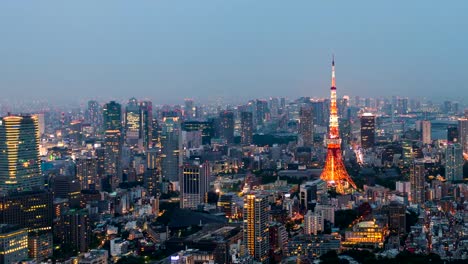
168	50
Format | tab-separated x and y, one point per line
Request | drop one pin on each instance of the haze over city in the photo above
167	50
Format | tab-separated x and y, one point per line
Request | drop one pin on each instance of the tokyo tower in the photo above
334	172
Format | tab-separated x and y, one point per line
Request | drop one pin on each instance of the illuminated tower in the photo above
20	165
334	172
256	232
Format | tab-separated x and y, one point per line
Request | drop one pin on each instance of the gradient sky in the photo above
232	49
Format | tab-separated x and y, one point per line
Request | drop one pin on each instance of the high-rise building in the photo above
313	223
262	112
246	128
454	162
146	119
255	226
132	122
463	133
226	126
31	210
74	229
334	172
20	165
189	111
205	128
306	127
194	184
171	147
94	114
113	155
86	172
396	214
452	134
13	244
367	130
112	116
426	132
417	179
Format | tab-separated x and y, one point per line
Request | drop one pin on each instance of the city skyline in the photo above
167	52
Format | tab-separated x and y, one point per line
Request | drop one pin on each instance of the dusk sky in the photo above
232	49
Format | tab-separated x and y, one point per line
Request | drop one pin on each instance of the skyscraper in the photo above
454	162
226	126
132	122
246	128
112	113
367	130
334	172
463	133
113	156
194	184
256	233
452	134
20	165
189	111
171	154
94	114
417	180
306	127
426	132
262	112
86	172
146	119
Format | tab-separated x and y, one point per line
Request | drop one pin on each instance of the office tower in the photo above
255	226
417	179
40	245
306	128
171	149
32	210
227	205
454	162
132	122
452	134
86	172
67	187
101	160
146	118
261	112
226	126
13	244
463	133
274	106
367	130
113	156
313	223
319	112
112	116
156	133
94	115
326	211
426	132
152	175
194	185
204	129
246	128
334	172
20	165
402	106
189	110
396	214
74	229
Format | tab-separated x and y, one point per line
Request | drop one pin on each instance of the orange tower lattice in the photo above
334	172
